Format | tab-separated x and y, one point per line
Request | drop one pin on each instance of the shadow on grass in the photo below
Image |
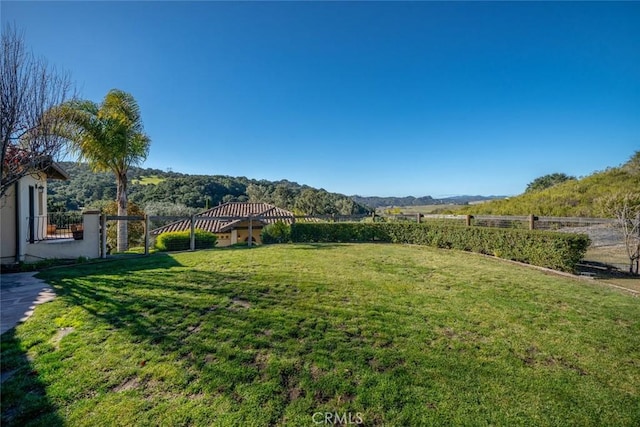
146	310
610	274
154	307
24	398
128	263
183	316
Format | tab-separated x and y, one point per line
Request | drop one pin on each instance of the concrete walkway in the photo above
19	295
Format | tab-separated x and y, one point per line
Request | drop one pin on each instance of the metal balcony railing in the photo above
55	226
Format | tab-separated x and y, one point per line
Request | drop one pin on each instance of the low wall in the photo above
88	247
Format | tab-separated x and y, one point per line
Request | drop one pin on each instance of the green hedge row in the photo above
559	251
181	240
278	232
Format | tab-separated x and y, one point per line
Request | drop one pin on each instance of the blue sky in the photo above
369	98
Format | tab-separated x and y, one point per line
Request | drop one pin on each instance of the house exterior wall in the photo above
8	227
224	239
243	235
8	214
239	235
35	182
11	231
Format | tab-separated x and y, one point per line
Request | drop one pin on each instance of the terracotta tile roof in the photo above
226	216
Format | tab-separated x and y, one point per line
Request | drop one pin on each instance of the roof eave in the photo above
55	171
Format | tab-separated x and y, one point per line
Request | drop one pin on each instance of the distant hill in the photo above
173	190
196	192
379	202
570	198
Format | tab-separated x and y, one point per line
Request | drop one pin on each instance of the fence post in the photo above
192	242
103	236
418	217
467	220
532	222
146	234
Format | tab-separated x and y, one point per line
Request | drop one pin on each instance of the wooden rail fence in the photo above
531	222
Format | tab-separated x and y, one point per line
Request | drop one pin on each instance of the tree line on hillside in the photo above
379	202
176	193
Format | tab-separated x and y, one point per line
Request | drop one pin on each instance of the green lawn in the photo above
393	335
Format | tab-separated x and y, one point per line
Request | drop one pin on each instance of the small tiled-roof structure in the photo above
229	215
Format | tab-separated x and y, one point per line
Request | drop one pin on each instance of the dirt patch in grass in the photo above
238	304
194	329
316	372
62	332
209	310
261	360
534	357
345	398
296	393
128	384
321	397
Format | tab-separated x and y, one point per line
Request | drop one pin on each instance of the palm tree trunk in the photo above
122	241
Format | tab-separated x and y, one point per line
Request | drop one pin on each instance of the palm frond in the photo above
110	135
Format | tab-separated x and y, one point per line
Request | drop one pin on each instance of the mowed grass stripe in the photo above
400	335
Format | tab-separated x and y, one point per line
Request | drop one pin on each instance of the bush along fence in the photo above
559	251
172	241
522	241
182	240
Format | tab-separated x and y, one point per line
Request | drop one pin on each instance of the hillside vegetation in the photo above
177	191
570	198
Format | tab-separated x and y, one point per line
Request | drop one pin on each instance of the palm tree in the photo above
110	137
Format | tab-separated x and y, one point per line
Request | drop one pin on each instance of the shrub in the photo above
560	251
278	232
338	232
181	240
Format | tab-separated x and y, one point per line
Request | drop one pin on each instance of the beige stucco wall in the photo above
25	183
8	227
88	247
239	235
224	239
8	215
243	235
